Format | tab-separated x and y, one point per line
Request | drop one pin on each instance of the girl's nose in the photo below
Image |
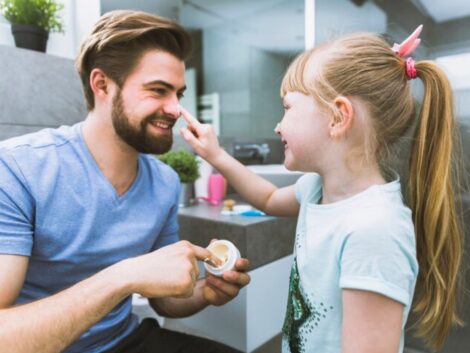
277	129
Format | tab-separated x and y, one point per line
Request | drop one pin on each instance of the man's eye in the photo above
180	95
160	91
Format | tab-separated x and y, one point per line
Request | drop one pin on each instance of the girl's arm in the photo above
372	323
253	188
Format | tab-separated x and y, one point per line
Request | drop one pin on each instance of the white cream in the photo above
227	252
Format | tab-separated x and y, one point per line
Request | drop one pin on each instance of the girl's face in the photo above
304	133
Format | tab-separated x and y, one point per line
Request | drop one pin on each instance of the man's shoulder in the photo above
37	154
49	137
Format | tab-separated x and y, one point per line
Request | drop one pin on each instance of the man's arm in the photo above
211	290
52	324
12	273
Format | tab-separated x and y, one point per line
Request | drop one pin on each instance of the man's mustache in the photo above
167	118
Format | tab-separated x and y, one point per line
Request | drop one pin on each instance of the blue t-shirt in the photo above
58	208
365	242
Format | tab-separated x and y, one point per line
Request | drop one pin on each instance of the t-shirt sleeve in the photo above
16	209
169	233
381	261
307	186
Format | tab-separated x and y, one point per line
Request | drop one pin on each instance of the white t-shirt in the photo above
365	242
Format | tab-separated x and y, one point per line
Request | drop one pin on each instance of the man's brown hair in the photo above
118	41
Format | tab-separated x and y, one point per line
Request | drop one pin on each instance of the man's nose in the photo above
171	107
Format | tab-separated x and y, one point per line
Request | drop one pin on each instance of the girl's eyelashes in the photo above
286	107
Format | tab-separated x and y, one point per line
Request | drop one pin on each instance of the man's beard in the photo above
139	138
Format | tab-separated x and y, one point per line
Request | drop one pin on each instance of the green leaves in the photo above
184	163
42	13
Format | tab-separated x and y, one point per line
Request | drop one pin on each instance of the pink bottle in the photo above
216	189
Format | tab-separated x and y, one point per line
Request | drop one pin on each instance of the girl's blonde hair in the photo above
363	66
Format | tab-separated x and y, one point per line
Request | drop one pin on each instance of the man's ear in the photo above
342	121
99	83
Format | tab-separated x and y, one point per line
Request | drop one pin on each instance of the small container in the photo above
227	252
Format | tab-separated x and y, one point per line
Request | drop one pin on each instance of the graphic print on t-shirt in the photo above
302	314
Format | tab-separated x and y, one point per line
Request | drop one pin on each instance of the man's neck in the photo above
116	160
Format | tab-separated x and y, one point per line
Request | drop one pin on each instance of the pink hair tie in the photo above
410	69
406	48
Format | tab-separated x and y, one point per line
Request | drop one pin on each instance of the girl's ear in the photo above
99	83
341	122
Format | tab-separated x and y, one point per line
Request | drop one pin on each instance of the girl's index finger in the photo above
191	120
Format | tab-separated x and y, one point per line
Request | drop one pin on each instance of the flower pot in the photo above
186	195
30	37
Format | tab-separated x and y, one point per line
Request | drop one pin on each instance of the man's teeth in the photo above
161	124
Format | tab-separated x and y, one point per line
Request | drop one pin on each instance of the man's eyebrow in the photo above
163	83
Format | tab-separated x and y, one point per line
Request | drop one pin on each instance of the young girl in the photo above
357	245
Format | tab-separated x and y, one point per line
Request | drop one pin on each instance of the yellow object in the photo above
228	204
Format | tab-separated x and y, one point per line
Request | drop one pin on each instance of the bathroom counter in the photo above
261	239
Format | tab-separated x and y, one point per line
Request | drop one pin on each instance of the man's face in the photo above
146	108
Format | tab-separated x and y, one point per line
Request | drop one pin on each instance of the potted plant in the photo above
187	168
32	20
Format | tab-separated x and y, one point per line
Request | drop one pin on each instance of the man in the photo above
87	218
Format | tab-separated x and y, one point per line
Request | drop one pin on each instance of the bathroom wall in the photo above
37	91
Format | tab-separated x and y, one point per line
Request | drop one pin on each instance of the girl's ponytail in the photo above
432	197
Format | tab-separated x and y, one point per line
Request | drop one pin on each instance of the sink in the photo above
276	174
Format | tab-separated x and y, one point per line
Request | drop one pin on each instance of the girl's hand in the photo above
201	137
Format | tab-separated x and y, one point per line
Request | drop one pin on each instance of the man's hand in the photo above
171	271
220	290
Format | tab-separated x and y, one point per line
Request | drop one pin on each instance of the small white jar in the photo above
227	252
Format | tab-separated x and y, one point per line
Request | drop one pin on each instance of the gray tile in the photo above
47	93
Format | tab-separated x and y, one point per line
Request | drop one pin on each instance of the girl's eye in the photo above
286	107
180	95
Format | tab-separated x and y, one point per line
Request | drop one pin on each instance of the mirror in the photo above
241	50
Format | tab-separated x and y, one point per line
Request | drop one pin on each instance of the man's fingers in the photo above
215	296
238	278
242	264
230	290
202	254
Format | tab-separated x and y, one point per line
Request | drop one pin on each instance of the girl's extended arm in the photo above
253	188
